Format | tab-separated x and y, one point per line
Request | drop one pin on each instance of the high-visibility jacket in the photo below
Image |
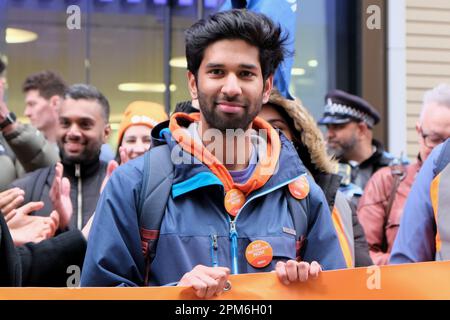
440	200
424	233
342	221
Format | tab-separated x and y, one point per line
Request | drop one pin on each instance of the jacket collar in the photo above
87	168
200	168
379	156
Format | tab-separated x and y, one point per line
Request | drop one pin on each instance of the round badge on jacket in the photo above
299	188
259	254
234	200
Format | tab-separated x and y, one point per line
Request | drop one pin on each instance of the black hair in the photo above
88	92
185	107
240	24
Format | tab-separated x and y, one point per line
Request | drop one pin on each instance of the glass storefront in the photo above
312	63
121	47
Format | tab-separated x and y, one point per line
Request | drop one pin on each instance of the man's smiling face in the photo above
229	85
82	129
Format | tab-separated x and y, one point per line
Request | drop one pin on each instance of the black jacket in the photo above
330	183
41	264
379	159
37	186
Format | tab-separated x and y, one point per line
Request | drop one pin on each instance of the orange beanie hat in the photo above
141	113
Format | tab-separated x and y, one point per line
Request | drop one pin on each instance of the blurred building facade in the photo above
427	56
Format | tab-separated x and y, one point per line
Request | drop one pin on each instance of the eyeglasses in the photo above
431	140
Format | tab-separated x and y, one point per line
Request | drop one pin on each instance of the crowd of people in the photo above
239	179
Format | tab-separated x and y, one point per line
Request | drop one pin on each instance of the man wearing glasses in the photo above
381	207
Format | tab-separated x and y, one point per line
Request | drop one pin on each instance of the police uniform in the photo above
342	107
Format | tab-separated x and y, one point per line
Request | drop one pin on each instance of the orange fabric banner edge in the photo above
419	281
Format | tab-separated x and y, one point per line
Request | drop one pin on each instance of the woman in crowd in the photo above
134	132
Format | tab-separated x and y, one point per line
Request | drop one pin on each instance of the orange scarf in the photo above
256	181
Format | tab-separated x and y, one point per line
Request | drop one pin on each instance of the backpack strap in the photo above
298	210
155	192
399	172
444	157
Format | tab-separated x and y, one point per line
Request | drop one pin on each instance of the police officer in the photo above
349	120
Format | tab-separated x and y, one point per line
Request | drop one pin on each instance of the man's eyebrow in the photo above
221	65
87	119
429	132
247	66
434	133
215	65
78	119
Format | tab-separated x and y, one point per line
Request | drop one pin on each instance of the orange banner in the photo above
429	280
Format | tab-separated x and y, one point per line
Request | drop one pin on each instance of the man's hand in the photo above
60	196
25	228
206	281
10	200
292	271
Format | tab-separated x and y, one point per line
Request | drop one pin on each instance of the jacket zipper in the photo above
233	231
79	198
214	249
234	246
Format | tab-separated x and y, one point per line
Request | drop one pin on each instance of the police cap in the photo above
342	107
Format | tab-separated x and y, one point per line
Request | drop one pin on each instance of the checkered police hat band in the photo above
342	110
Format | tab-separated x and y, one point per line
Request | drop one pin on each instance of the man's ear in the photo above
192	84
106	133
268	85
55	102
418	129
363	128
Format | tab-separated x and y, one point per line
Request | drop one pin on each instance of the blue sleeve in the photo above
106	153
322	242
114	254
415	241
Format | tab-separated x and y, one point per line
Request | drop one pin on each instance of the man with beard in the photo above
226	207
83	128
44	92
349	120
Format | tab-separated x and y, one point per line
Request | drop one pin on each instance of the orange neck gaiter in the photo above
263	170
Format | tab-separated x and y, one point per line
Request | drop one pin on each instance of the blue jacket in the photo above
415	241
195	215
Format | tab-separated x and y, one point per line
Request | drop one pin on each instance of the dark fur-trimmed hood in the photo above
307	131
